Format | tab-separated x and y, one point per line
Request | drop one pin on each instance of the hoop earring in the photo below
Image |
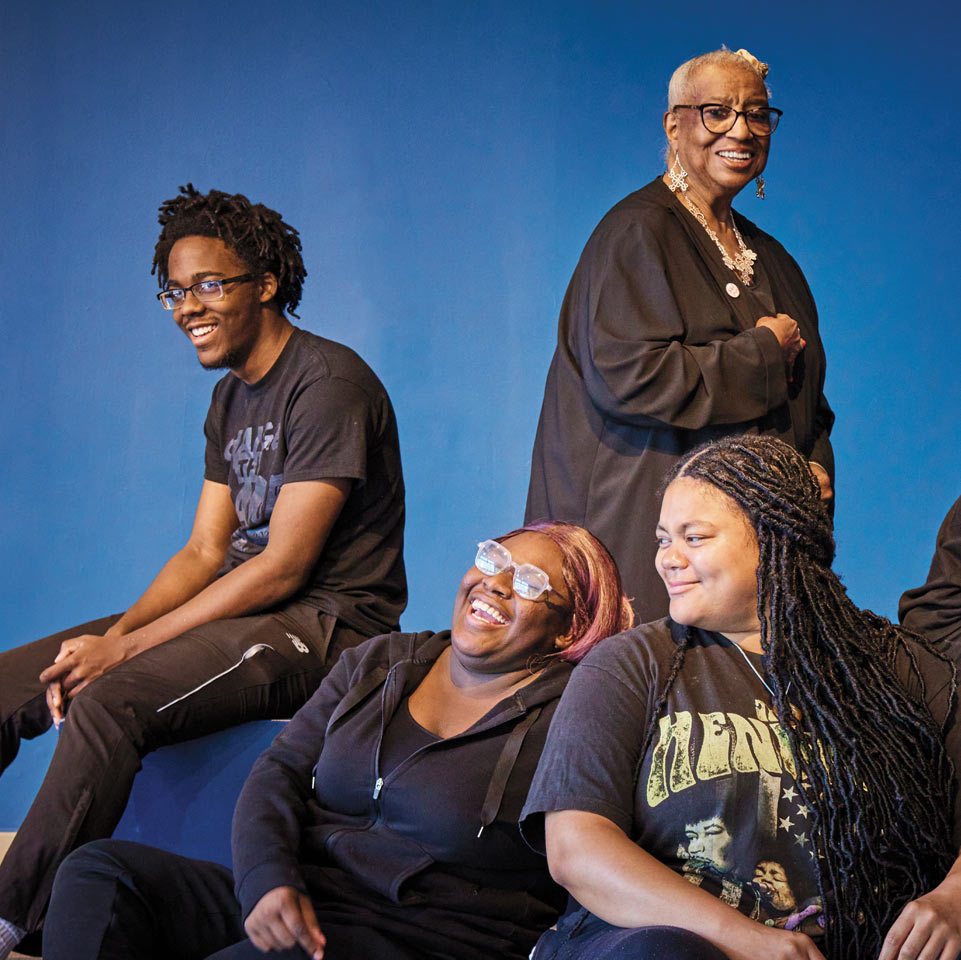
759	180
678	176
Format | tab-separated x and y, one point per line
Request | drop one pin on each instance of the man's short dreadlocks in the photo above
257	234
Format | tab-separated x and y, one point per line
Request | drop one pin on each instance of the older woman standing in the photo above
683	322
382	822
766	773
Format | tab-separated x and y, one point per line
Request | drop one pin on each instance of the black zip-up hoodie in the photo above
430	851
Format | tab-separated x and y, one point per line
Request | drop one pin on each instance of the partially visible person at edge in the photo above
382	822
683	323
768	771
934	609
296	551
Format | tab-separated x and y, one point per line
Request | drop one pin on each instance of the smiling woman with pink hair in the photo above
382	822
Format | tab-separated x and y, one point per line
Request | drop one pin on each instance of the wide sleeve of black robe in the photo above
651	359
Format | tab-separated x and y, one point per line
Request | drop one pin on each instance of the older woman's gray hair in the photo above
677	91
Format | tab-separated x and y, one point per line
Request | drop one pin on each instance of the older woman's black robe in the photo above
657	353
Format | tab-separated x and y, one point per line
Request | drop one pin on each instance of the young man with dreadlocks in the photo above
295	552
769	747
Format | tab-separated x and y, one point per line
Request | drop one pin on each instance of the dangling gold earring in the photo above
759	180
678	176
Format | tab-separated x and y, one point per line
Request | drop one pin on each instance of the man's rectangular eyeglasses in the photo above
719	118
529	581
204	290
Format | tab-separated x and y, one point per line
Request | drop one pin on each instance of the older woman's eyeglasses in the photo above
719	118
529	581
204	290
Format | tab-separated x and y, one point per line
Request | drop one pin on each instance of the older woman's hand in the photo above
788	335
282	918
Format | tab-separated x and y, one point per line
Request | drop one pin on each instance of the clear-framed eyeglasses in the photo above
529	582
203	290
719	117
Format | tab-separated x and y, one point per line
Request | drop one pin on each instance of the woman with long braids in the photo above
769	747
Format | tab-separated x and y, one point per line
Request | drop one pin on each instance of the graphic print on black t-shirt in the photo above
257	491
718	795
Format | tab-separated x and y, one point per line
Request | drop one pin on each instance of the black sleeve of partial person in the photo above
934	677
934	609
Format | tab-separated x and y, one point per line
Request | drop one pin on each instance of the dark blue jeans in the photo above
582	936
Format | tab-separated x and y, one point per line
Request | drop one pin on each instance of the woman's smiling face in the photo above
496	631
719	164
707	556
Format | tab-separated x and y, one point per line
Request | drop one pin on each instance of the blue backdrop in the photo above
444	163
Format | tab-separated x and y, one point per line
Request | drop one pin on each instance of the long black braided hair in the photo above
872	759
255	233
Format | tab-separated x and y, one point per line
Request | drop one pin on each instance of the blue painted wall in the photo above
444	162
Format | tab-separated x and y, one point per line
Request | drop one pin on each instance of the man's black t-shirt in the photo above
319	413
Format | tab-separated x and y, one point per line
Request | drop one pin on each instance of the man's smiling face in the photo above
224	331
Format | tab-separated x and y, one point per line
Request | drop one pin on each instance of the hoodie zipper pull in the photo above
377	787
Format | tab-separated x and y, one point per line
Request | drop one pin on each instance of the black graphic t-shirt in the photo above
319	413
716	797
718	800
